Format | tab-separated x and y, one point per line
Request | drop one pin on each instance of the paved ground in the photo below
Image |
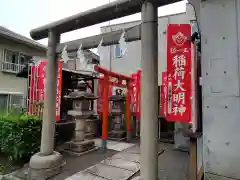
121	166
173	165
75	164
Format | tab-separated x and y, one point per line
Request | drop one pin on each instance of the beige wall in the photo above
8	81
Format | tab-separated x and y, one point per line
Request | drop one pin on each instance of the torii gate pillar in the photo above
47	162
149	92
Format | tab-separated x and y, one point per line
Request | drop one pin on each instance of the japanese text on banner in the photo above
179	72
164	95
41	85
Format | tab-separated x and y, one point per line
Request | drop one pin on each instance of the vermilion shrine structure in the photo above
121	81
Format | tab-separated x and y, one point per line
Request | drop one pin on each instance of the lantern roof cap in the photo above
81	95
117	98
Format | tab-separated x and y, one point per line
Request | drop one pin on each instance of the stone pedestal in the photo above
43	167
91	128
80	129
118	132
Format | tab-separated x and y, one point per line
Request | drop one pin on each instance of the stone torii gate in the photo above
47	162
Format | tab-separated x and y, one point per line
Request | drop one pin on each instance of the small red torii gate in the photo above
107	80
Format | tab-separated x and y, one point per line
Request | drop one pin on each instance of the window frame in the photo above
18	53
117	46
5	51
9	98
11	67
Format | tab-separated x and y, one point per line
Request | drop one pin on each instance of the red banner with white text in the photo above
136	93
100	94
179	73
32	89
164	95
41	85
59	91
37	85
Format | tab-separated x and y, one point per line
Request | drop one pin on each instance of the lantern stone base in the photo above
118	135
90	135
43	167
90	128
78	147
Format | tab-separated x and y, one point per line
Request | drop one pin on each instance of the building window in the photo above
22	59
118	52
3	102
10	101
14	61
10	56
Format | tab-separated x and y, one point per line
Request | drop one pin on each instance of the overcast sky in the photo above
23	15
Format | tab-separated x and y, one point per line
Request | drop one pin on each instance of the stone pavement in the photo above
173	165
120	166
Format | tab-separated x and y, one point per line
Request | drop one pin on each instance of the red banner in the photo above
100	94
41	71
136	93
164	95
36	88
59	91
179	73
31	89
41	84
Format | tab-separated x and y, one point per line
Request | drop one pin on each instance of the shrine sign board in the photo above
179	79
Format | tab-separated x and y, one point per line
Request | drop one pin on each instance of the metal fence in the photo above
11	67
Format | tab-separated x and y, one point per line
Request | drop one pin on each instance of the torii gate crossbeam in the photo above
107	12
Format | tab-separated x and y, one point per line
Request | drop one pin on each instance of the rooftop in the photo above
7	33
4	32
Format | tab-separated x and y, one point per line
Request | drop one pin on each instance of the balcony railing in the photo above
11	67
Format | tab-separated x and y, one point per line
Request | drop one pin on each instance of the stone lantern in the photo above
118	129
91	123
81	112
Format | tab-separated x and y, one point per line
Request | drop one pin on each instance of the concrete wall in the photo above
8	81
220	26
131	62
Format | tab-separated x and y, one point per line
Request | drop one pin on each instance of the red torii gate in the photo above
120	83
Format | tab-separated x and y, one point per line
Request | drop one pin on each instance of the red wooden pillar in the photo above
128	111
105	112
138	94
